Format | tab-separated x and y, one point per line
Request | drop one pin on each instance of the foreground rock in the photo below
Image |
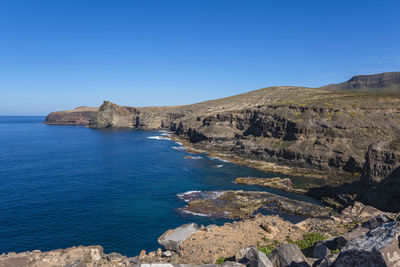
242	204
255	258
172	239
238	244
75	256
78	116
287	255
379	247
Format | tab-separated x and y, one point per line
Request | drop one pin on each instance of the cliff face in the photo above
78	116
381	176
294	126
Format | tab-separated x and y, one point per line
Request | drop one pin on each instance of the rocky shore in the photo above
358	236
284	184
243	204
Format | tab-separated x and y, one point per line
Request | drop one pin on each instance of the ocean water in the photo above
64	186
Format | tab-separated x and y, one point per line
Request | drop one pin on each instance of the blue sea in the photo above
63	186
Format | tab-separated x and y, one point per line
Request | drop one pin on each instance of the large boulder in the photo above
287	255
320	251
172	239
379	247
255	258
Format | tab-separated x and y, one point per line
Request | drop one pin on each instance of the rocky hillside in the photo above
78	116
302	127
311	129
382	82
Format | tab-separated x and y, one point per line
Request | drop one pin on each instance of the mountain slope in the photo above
382	82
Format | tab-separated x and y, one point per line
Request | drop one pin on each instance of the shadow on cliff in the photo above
384	195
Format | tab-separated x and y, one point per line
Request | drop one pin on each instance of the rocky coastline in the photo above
346	143
358	236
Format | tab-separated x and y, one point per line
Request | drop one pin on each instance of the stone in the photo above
172	239
334	243
287	255
355	233
376	221
96	253
266	227
379	247
159	252
167	253
114	256
241	253
320	251
255	258
211	226
142	254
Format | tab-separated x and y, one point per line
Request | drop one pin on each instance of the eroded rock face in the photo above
379	247
381	176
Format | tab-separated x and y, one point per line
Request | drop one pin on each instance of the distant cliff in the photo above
382	82
78	116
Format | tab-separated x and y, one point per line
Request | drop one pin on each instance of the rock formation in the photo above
78	116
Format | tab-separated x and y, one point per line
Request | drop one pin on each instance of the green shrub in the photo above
269	248
309	240
220	260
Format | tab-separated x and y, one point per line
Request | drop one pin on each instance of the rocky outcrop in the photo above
243	204
379	247
78	116
149	118
288	255
255	258
380	181
382	162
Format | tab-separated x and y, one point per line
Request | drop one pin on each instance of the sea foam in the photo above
159	137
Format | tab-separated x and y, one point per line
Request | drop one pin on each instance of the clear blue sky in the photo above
57	55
